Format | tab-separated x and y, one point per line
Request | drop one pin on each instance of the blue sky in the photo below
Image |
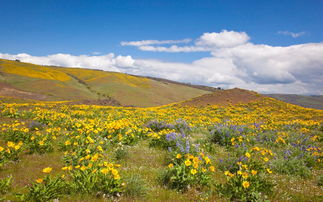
41	27
268	46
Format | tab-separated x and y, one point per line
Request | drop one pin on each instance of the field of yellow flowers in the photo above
264	150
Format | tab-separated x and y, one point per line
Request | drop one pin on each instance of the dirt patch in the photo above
102	102
224	98
7	90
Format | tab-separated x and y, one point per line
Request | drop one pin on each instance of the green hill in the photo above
25	80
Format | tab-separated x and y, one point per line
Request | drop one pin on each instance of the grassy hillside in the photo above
31	81
312	101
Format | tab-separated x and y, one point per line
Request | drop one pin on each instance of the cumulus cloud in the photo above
234	61
292	34
224	39
153	42
108	62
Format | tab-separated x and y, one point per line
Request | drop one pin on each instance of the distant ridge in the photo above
308	101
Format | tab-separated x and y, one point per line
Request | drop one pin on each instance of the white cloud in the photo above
235	63
292	34
107	62
173	49
153	42
224	39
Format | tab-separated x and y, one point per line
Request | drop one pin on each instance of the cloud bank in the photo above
233	62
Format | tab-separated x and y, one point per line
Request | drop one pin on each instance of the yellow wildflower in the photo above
254	172
193	171
47	170
39	180
245	184
188	162
248	155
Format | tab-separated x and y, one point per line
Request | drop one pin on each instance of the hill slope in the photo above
25	80
313	101
223	98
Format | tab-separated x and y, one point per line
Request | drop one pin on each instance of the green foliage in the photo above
187	171
291	166
5	185
320	181
135	186
121	153
46	189
254	188
94	181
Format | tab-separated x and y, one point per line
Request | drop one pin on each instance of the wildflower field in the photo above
263	150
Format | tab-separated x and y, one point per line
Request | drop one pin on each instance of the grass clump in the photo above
135	186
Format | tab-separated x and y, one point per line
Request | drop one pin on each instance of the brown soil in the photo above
7	90
224	98
103	102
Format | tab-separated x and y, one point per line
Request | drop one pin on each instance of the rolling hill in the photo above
50	83
224	98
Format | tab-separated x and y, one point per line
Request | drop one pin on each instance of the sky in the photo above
266	46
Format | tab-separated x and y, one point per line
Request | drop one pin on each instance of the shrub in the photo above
46	189
121	153
185	171
246	184
104	180
135	186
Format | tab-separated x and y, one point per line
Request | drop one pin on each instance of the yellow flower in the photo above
67	143
1	149
170	165
256	149
239	172
83	168
17	147
269	171
193	171
245	175
10	144
253	172
116	177
265	159
39	180
212	169
104	170
114	172
245	184
244	166
228	173
248	155
178	156
47	170
188	162
195	165
207	160
41	143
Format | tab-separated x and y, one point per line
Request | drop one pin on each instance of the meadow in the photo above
263	150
